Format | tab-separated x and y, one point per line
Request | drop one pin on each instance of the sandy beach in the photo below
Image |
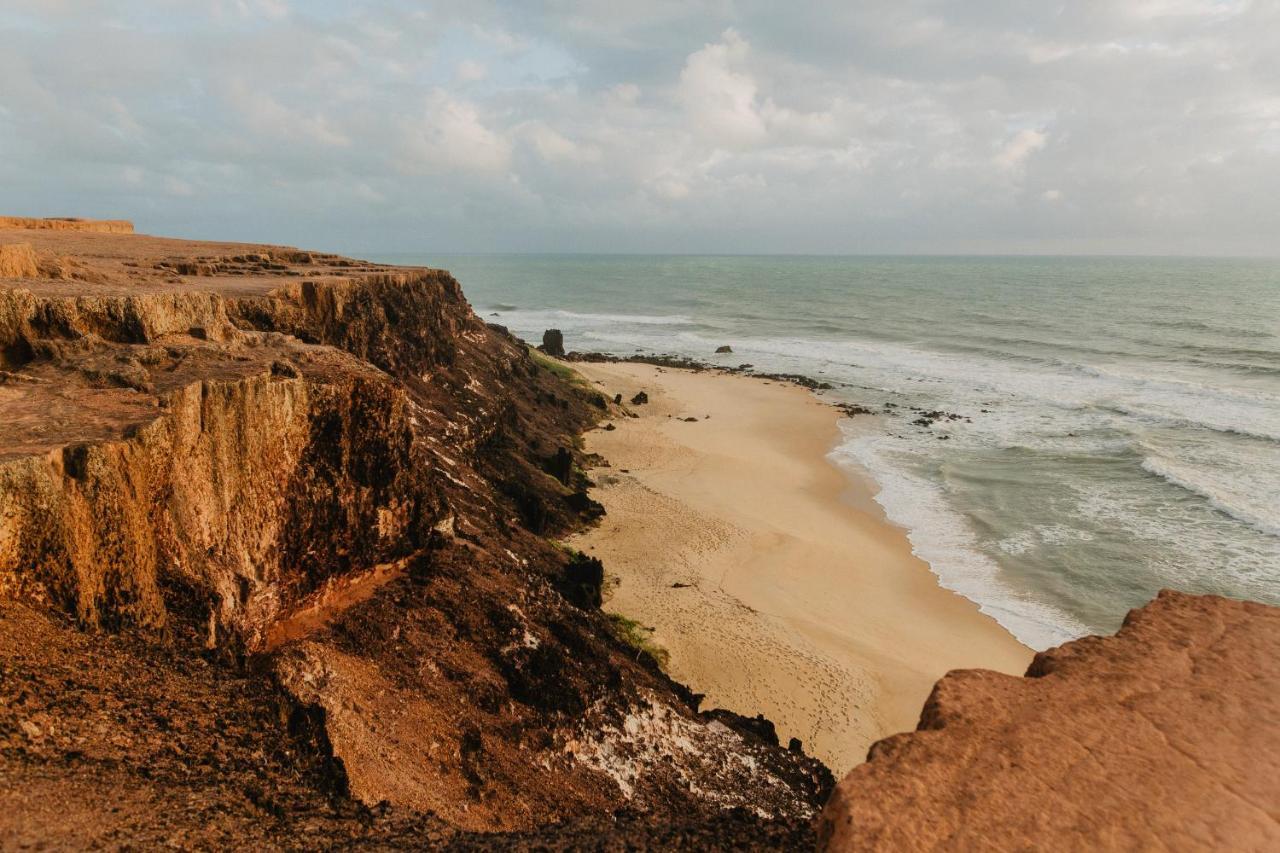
768	573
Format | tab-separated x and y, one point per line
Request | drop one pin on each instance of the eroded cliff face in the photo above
310	497
1163	737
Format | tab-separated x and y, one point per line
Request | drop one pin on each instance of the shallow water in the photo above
1120	426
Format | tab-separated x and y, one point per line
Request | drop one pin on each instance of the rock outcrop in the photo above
1163	737
553	343
308	497
67	223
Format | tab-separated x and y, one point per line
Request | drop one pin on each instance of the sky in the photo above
718	126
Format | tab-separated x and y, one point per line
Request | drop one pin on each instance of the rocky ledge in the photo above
1163	737
277	570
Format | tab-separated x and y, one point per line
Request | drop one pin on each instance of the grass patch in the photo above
634	635
563	371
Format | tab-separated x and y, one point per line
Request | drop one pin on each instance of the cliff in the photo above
66	223
276	570
1165	736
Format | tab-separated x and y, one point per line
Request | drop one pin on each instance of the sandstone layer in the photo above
275	570
1163	737
67	223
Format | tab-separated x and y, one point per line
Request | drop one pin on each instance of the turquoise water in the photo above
1121	417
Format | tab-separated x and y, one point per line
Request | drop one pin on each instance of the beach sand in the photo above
797	599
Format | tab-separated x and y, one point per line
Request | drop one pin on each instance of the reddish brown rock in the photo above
1165	736
274	573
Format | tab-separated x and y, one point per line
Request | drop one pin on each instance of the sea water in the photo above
1119	426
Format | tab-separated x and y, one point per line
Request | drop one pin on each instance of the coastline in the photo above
766	571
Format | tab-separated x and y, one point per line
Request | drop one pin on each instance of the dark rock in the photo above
553	343
640	399
617	398
560	465
609	427
794	745
584	581
690	420
724	349
586	508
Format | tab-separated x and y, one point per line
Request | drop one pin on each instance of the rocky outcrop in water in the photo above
274	571
1165	736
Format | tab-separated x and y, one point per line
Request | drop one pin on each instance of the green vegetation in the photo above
563	371
631	633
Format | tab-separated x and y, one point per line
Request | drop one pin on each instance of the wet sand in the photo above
768	573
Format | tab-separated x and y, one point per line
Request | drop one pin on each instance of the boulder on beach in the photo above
640	399
553	343
724	349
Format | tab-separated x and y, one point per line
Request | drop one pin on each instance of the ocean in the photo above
1119	418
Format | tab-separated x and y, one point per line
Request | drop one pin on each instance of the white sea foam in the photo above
532	319
941	538
1226	491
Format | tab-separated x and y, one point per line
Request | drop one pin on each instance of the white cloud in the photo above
450	135
719	97
266	115
887	125
554	147
1024	143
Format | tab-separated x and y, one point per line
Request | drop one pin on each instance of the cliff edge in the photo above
1165	736
277	570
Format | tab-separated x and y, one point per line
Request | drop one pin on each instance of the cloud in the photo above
717	96
1023	144
715	125
450	135
470	71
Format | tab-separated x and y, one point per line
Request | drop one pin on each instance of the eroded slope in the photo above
321	490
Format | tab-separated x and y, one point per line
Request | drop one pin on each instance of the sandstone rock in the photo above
18	260
553	343
1165	736
101	226
300	502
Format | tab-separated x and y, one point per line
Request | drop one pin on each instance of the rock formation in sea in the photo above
1163	737
277	570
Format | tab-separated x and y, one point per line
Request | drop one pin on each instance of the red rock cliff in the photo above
1163	737
274	571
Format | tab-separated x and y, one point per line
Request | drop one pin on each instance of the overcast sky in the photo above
1133	126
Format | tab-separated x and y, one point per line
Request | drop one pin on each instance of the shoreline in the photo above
780	586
